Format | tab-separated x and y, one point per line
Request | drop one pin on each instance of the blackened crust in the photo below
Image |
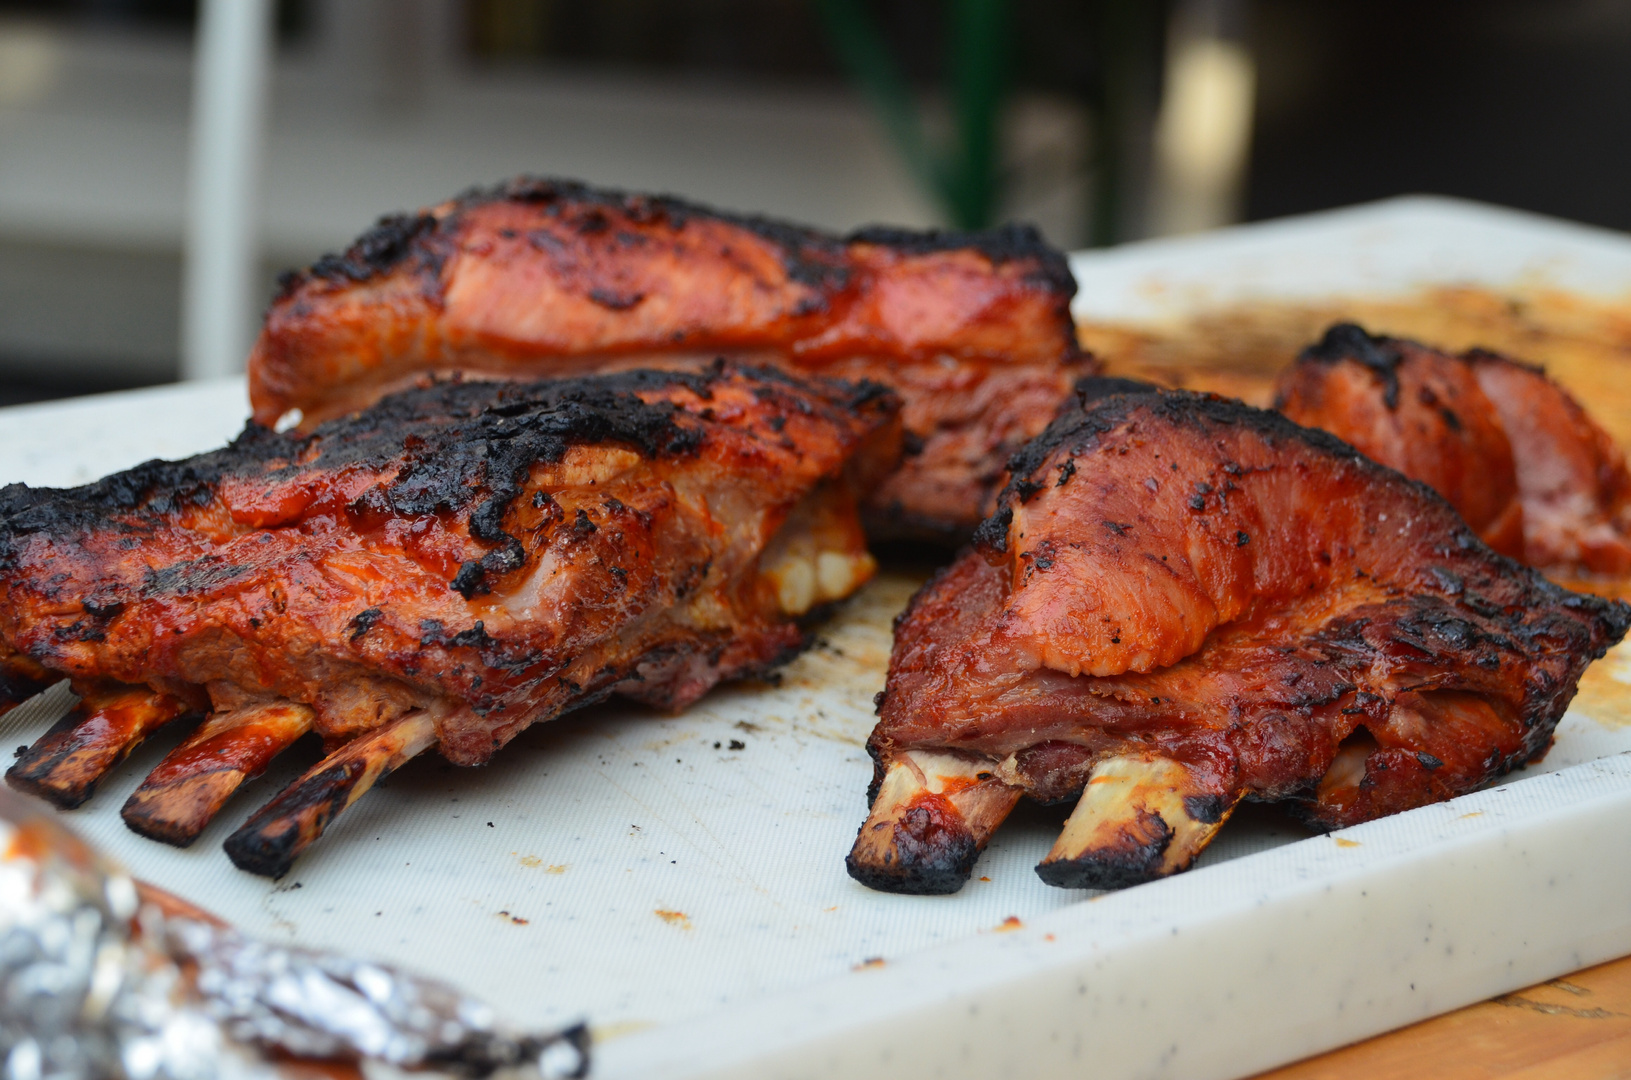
1136	859
1013	242
933	863
1346	341
453	446
992	533
392	239
1080	430
46	760
810	256
270	841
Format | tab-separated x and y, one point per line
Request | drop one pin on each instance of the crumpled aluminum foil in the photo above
96	985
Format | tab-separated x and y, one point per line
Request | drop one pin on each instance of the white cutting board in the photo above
691	902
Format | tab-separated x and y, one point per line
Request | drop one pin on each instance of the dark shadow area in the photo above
1526	103
24	383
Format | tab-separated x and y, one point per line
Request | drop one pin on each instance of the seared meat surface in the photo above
1183	602
1509	448
544	277
443	569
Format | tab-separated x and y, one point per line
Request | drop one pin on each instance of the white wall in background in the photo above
221	261
94	160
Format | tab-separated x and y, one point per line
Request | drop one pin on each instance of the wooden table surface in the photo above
1574	1028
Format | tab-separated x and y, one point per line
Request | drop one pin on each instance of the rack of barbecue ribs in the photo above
542	277
1184	602
442	569
1533	475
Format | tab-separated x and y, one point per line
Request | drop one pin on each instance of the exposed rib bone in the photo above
66	763
931	819
1340	784
275	835
180	797
20	679
1139	818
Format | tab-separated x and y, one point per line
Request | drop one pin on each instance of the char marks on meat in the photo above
1183	602
442	569
544	277
1509	448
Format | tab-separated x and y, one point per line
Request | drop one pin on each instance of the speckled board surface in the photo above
679	881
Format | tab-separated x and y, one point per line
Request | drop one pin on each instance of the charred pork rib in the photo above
1184	602
443	569
1510	449
548	278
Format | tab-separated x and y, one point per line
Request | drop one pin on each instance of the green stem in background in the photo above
963	178
1129	33
865	55
979	54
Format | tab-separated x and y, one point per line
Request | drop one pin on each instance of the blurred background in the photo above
162	160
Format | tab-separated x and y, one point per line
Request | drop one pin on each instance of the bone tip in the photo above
141	819
1134	851
1120	870
21	778
937	872
256	851
1139	818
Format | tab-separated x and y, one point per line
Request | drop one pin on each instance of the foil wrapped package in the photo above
98	982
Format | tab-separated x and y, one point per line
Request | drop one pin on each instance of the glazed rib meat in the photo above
1510	449
1184	602
543	277
443	569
